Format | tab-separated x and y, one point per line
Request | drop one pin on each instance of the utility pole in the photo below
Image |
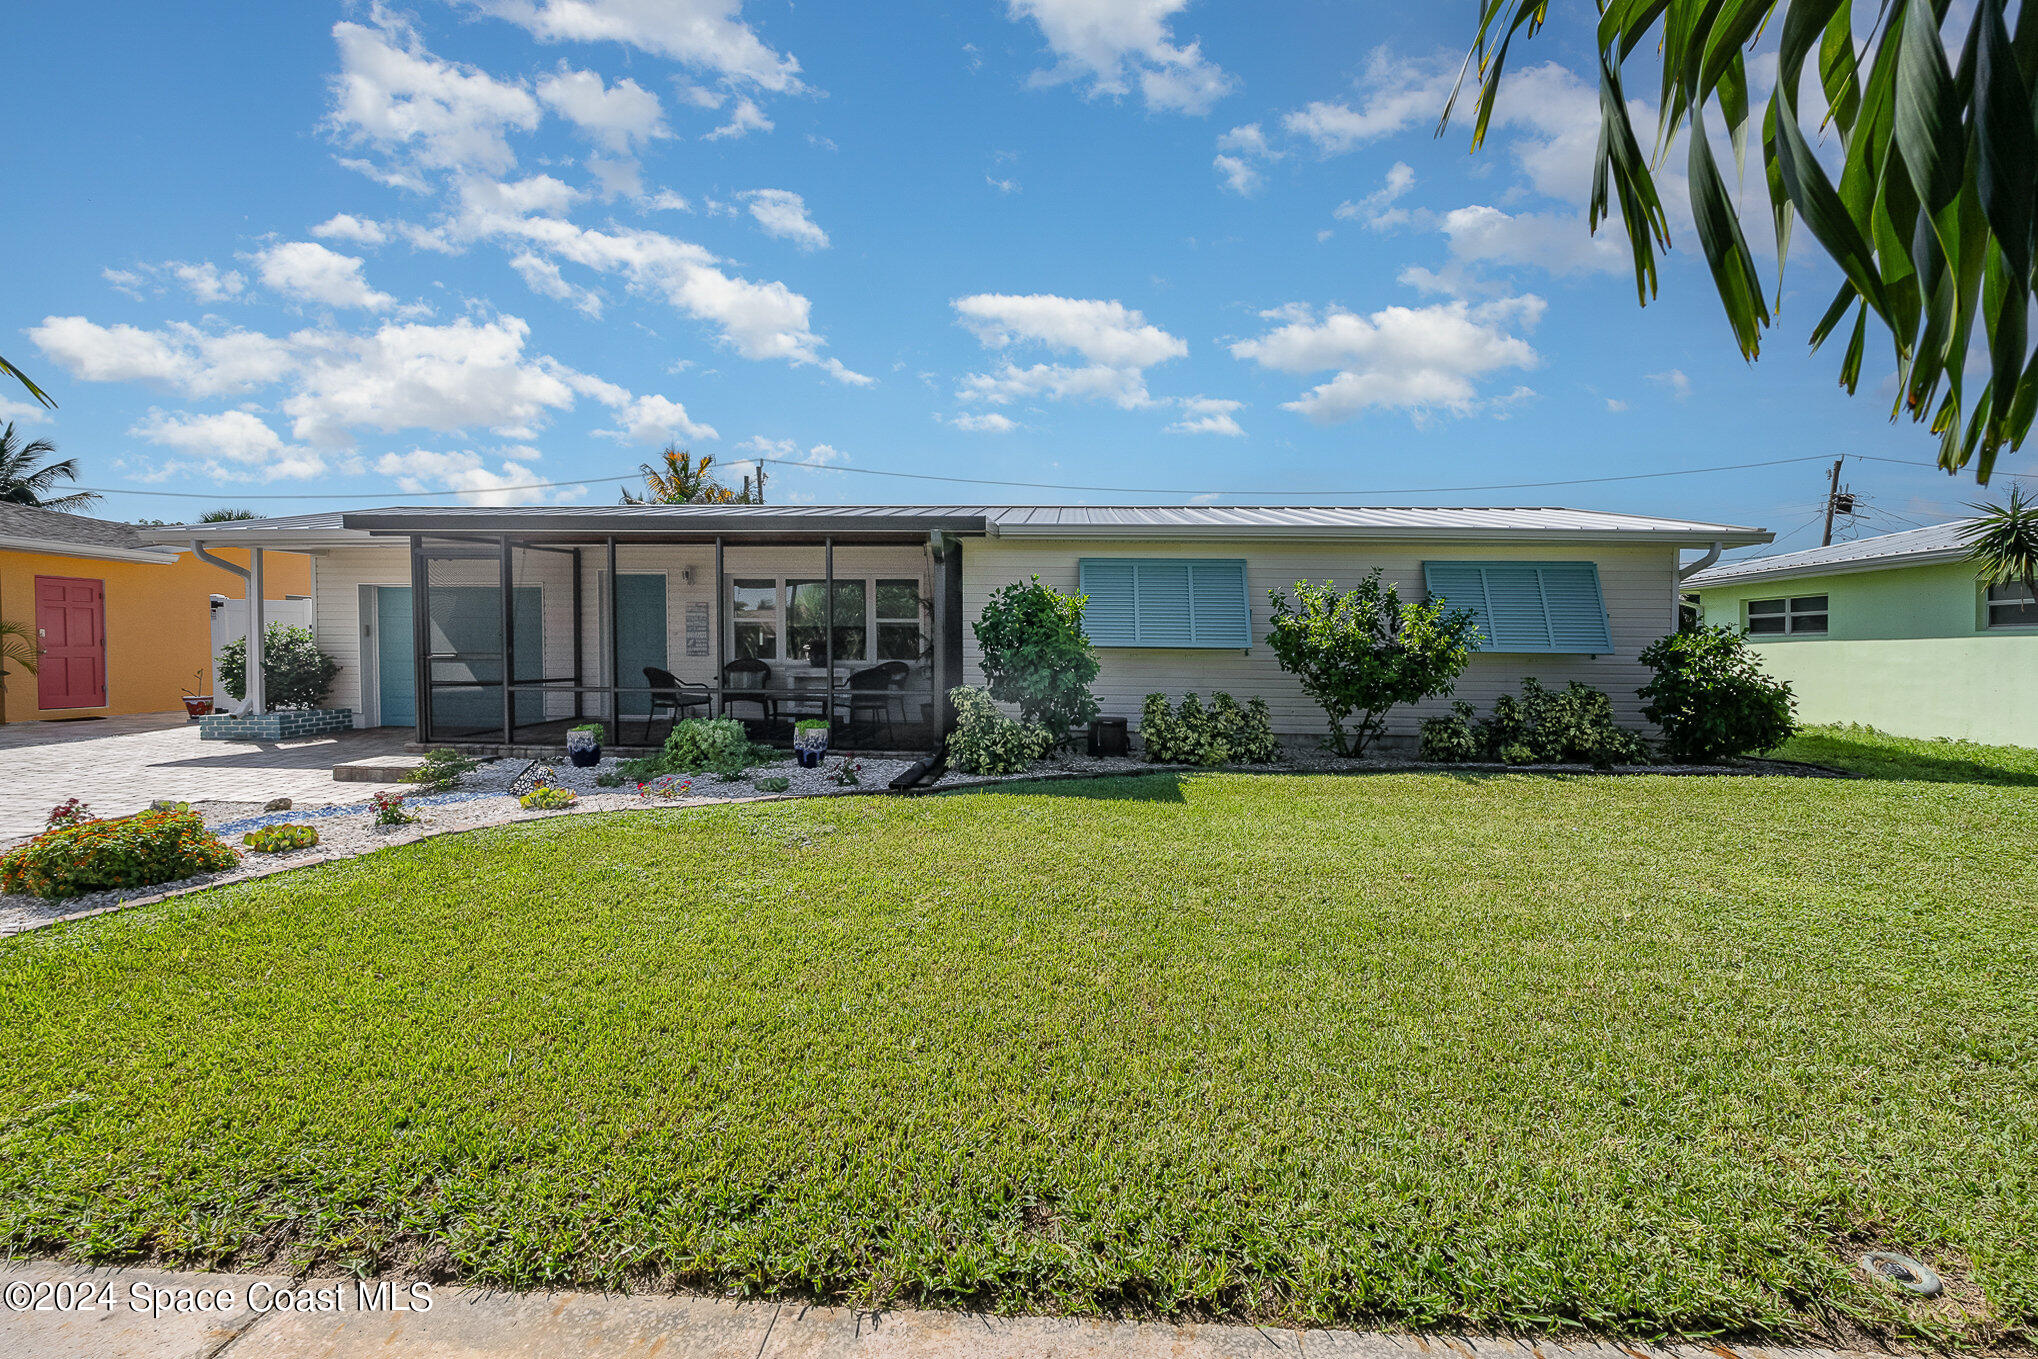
1832	499
760	483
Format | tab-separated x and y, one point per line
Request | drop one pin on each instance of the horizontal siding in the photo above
1639	584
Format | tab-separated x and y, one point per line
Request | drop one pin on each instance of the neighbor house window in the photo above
754	606
1527	606
1165	602
1787	617
2011	606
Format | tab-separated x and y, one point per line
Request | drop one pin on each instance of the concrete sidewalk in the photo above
107	1314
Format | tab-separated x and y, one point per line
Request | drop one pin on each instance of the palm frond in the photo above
2003	541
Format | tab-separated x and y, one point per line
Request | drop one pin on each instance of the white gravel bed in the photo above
488	797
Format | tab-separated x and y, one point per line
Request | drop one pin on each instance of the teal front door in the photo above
640	636
395	658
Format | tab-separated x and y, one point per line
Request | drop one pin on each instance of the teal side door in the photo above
640	635
395	658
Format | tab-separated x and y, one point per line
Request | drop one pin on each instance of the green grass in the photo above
1864	750
1641	1055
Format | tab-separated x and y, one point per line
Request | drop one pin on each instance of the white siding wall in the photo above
337	575
1639	585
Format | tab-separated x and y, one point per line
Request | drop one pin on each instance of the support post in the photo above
828	628
421	638
948	631
509	643
579	699
615	658
721	632
258	677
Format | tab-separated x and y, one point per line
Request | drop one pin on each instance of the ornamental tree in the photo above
1036	654
1362	652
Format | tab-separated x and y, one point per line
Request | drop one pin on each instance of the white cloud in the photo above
1116	341
22	412
620	117
744	119
393	95
1112	43
783	213
1248	139
467	472
1419	359
129	281
707	35
1399	93
1375	208
308	272
1208	415
345	226
1002	185
231	445
180	357
206	281
1240	176
542	276
1672	381
1556	241
1615	404
1237	153
654	420
990	422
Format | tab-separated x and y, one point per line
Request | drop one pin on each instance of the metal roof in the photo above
1150	522
1913	547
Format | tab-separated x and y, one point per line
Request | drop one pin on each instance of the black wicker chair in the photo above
873	691
748	672
672	696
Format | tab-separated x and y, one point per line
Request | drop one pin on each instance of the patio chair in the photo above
874	690
673	696
748	672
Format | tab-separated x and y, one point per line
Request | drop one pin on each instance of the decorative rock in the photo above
276	804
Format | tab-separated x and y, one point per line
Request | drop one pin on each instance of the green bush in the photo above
719	744
1037	656
130	851
1360	653
298	674
771	783
986	741
1573	725
441	770
547	799
1226	734
280	839
1712	699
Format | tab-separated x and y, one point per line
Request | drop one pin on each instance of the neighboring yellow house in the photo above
124	627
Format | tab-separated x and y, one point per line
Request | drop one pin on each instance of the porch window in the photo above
2011	606
807	614
754	606
898	620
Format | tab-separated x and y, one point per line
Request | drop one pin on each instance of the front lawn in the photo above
1640	1054
1877	754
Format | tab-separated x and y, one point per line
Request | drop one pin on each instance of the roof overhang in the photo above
1716	578
1695	536
623	524
56	547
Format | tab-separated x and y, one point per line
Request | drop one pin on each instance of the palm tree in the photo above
225	515
1933	220
9	370
22	482
685	480
2004	542
19	646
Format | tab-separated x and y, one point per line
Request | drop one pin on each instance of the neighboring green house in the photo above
1896	632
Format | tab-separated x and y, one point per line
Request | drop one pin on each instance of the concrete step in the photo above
377	769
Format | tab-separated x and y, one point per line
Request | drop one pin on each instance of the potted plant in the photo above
810	742
197	705
583	744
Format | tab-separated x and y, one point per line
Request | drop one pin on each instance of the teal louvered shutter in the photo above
1217	592
1527	606
1111	617
1165	602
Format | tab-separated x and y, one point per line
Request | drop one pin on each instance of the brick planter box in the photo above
283	726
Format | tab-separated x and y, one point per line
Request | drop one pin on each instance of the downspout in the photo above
1685	573
251	679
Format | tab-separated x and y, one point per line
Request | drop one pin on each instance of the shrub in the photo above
77	857
609	778
548	799
69	812
1225	734
986	741
773	783
847	774
1036	655
298	674
389	809
1572	726
1711	698
441	770
1361	652
719	744
280	839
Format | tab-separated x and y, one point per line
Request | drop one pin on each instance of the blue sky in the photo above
1204	250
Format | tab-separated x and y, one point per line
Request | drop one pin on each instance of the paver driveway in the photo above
122	764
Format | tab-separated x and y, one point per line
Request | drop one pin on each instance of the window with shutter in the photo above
1527	606
1165	602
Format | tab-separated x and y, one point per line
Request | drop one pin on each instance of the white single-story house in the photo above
625	614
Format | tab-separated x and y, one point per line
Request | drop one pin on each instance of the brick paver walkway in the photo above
122	764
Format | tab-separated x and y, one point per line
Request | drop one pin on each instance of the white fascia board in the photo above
53	547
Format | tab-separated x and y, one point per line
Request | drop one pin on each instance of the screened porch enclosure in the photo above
520	638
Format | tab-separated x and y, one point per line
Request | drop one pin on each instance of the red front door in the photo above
70	625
